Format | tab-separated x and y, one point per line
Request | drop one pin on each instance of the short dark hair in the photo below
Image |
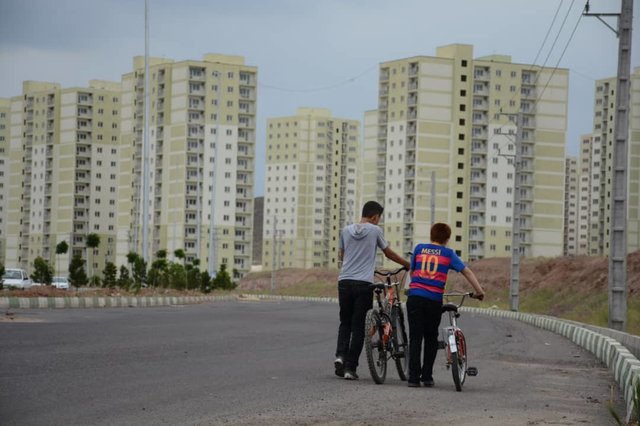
440	233
372	208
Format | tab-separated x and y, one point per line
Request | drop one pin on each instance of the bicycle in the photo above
455	343
385	332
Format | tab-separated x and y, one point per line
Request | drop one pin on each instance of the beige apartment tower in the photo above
63	172
5	132
202	153
595	172
446	114
311	188
571	192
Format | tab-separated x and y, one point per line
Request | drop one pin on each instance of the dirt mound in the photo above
285	278
581	273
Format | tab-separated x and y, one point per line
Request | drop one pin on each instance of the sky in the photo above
309	53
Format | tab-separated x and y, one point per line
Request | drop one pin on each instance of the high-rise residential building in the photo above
202	153
448	114
596	170
590	179
571	186
63	173
5	132
311	188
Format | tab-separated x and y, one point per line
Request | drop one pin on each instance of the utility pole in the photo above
514	286
145	142
433	197
217	164
514	281
618	225
273	257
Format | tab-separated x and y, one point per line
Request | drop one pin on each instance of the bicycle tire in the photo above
374	347
459	361
400	344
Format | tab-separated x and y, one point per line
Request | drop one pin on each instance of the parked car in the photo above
60	282
16	278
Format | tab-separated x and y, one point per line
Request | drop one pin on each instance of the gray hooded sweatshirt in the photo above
359	242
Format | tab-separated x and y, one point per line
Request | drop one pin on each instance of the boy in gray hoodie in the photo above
358	244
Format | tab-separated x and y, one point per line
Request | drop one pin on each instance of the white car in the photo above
16	278
60	282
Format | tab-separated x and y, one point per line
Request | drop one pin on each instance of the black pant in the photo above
424	320
356	298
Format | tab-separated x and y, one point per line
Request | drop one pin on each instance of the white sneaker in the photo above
339	366
350	375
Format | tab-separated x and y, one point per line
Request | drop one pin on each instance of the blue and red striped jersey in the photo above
430	265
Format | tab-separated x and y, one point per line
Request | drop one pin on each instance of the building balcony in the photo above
476	236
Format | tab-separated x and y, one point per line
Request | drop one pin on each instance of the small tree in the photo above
93	241
109	273
177	276
193	275
205	282
61	248
180	255
124	280
77	275
223	280
43	272
139	273
158	273
1	276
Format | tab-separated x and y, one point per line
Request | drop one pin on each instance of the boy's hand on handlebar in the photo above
479	296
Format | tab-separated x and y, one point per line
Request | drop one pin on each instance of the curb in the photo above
104	302
624	366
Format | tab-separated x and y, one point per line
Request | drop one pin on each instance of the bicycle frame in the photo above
386	336
455	342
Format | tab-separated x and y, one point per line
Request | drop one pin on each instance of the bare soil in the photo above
582	273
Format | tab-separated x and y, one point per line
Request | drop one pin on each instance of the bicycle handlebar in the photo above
458	294
388	273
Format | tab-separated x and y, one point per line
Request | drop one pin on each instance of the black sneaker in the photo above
428	383
339	366
350	375
413	384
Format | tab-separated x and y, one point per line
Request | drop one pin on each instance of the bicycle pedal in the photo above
441	344
472	371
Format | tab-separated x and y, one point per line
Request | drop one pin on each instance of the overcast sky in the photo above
314	53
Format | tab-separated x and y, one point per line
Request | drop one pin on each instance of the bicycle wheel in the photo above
400	346
374	346
459	361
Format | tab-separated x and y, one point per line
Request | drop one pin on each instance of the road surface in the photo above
257	363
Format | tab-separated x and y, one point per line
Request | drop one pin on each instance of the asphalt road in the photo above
255	363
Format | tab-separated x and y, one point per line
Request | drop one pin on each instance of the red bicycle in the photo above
385	330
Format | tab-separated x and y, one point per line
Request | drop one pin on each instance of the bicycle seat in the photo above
449	307
378	286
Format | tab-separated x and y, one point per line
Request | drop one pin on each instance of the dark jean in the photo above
424	320
356	298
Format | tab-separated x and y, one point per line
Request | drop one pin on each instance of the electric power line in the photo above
560	58
322	88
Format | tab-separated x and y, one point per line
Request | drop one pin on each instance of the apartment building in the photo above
202	153
571	190
596	165
311	188
456	116
62	173
5	131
